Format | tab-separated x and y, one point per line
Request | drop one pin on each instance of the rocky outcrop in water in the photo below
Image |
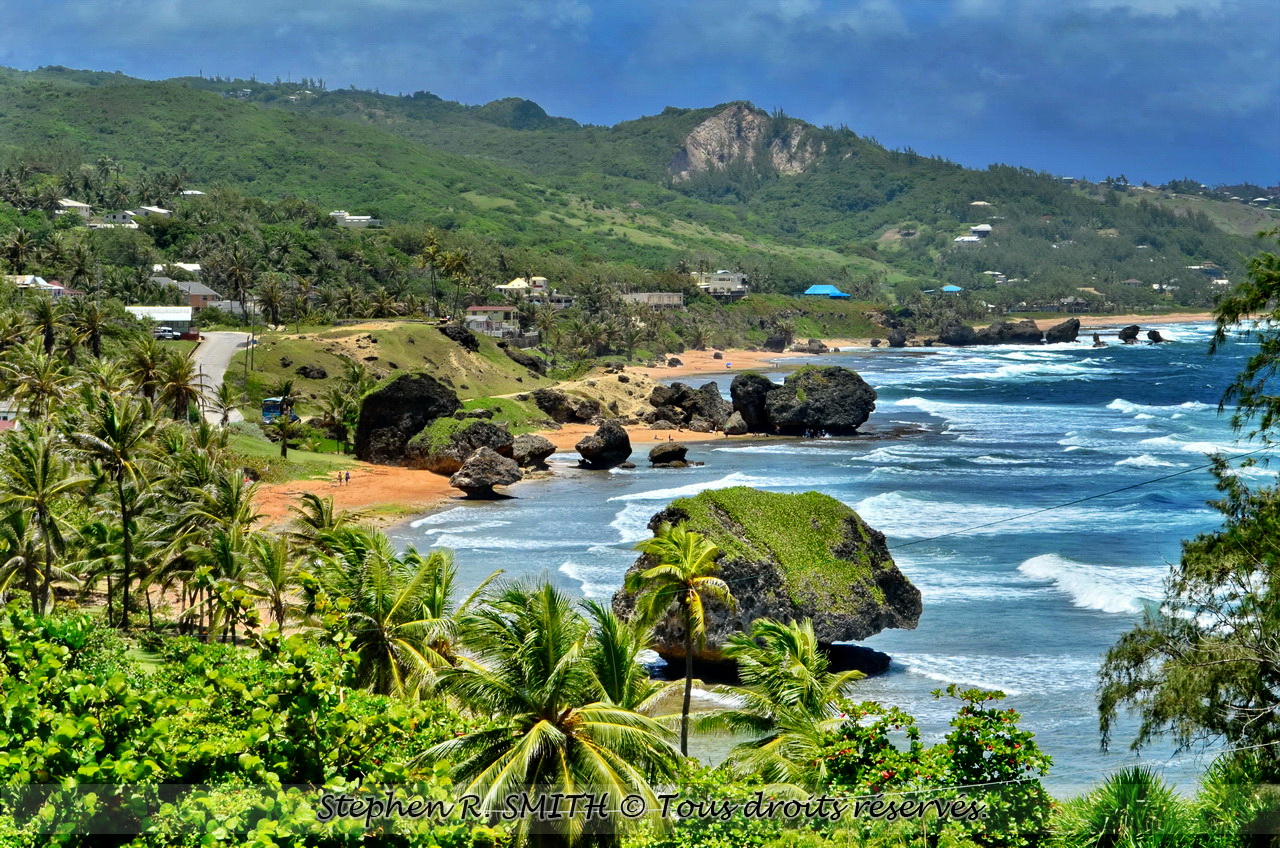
1097	341
1129	334
833	400
668	452
682	403
1067	331
607	447
897	337
956	334
1004	332
395	412
446	453
483	470
1154	337
786	557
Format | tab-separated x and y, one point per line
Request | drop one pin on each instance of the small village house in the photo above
198	295
825	291
356	222
74	207
179	318
496	321
724	286
655	300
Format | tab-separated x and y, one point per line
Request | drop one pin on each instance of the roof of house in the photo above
491	308
952	289
155	210
829	291
187	286
192	267
68	203
980	228
161	313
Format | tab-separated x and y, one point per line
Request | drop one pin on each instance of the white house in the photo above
981	230
177	317
723	285
355	222
655	300
967	239
189	267
30	282
121	218
145	211
66	205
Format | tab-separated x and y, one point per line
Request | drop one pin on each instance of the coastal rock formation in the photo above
1067	331
683	403
461	335
312	372
775	344
528	360
832	399
531	450
748	391
897	337
1004	332
1129	335
606	447
564	408
786	557
1097	341
483	470
395	412
738	135
444	452
1154	337
956	334
668	452
814	346
736	425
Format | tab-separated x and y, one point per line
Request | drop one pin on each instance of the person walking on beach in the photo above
348	478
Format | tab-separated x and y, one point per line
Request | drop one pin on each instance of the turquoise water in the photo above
961	438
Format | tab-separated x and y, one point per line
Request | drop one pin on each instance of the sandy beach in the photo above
390	494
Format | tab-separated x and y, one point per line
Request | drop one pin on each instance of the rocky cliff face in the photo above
787	557
738	135
397	411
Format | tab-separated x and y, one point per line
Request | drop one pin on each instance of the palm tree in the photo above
790	699
548	726
224	402
274	574
36	477
37	381
146	360
615	661
285	428
180	385
684	574
289	396
117	431
89	322
46	317
314	517
387	612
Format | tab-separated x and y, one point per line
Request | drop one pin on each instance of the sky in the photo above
1152	89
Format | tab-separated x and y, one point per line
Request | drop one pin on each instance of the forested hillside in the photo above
728	186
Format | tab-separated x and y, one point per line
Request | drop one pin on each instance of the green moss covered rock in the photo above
788	557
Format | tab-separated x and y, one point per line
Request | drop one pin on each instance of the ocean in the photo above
988	470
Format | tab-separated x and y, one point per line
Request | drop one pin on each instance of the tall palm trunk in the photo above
688	681
48	560
126	553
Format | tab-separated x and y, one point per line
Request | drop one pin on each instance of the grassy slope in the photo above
1237	218
796	530
410	346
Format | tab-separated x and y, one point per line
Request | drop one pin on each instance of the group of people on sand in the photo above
344	478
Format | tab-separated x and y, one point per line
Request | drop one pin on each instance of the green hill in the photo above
726	186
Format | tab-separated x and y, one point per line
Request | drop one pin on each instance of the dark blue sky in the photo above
1153	89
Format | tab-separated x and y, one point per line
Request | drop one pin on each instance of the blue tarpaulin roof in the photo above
952	289
825	291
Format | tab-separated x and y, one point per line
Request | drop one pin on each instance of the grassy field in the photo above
264	457
386	349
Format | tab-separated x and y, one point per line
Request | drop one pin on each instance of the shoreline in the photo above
390	495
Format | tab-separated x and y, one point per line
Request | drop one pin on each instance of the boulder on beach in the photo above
956	334
897	337
1154	337
680	402
1129	334
395	412
749	391
735	426
565	408
834	400
1067	331
815	346
607	447
774	344
785	557
444	445
530	450
483	470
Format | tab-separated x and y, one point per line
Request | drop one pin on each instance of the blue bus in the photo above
273	408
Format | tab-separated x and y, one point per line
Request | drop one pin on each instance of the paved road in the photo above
212	356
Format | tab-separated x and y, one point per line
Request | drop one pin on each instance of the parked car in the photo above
167	333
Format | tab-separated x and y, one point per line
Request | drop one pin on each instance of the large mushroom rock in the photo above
528	360
564	408
1067	331
444	445
785	557
531	450
832	399
748	391
607	447
395	412
1003	332
1154	337
461	335
668	452
483	470
815	346
897	337
956	334
774	344
681	402
1129	334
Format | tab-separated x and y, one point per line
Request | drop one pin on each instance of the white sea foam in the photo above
632	523
597	583
1175	443
441	517
460	540
724	699
990	459
1012	675
1107	588
737	478
1130	408
785	450
1136	428
1146	460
